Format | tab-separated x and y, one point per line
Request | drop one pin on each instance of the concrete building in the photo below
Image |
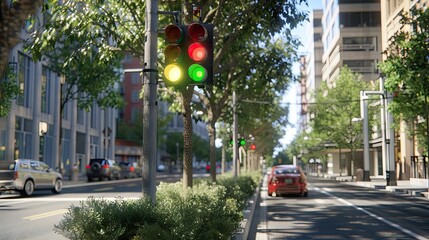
351	36
32	128
311	66
409	161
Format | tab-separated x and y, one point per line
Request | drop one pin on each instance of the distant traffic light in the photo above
252	146
241	141
188	55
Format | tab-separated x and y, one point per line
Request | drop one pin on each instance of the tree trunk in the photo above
187	136
12	18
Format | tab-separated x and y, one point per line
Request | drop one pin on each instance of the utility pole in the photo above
150	111
234	135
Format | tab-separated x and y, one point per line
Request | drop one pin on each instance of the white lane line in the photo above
45	215
400	228
77	199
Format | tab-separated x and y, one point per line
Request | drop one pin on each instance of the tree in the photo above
90	75
13	15
407	73
336	104
247	60
243	54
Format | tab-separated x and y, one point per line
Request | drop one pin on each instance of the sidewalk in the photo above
411	187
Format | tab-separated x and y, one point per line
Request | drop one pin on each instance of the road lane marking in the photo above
75	199
400	228
45	215
103	189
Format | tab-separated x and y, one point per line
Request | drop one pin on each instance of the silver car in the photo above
27	175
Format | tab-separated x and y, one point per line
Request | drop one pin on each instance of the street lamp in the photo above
43	129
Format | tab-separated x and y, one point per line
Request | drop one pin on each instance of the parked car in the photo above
102	168
130	169
287	179
27	175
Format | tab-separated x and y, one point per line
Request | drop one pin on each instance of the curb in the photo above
246	223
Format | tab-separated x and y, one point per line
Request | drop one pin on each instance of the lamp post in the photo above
387	133
43	129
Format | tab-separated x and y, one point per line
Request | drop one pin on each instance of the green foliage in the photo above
8	90
337	103
202	212
103	219
407	73
206	211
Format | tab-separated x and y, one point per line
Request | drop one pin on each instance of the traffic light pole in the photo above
234	135
150	111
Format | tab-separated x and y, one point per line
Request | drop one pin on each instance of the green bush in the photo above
201	212
240	188
206	211
102	219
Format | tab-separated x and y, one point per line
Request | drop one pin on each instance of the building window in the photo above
362	66
317	22
317	37
135	115
46	89
135	96
360	19
80	111
135	78
94	116
359	44
24	64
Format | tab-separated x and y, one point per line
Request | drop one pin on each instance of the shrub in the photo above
206	211
240	188
201	212
102	219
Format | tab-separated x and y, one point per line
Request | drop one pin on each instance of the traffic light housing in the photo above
188	55
174	72
200	53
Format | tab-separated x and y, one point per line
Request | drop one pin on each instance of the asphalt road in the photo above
34	217
339	211
332	211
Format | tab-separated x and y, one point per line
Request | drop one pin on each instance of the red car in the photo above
287	179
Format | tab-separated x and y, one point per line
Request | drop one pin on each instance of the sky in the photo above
291	97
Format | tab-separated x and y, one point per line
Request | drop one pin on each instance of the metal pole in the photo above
234	135
150	113
390	141
365	137
388	138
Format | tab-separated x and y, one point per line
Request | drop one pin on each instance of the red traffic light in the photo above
252	146
197	32
174	33
197	52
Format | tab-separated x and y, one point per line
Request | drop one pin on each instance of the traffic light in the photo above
188	55
175	61
241	141
200	53
252	146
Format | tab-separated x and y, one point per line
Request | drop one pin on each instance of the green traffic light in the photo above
197	73
242	142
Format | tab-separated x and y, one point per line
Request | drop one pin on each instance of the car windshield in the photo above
286	171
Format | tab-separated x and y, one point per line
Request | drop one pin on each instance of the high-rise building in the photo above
409	158
352	37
